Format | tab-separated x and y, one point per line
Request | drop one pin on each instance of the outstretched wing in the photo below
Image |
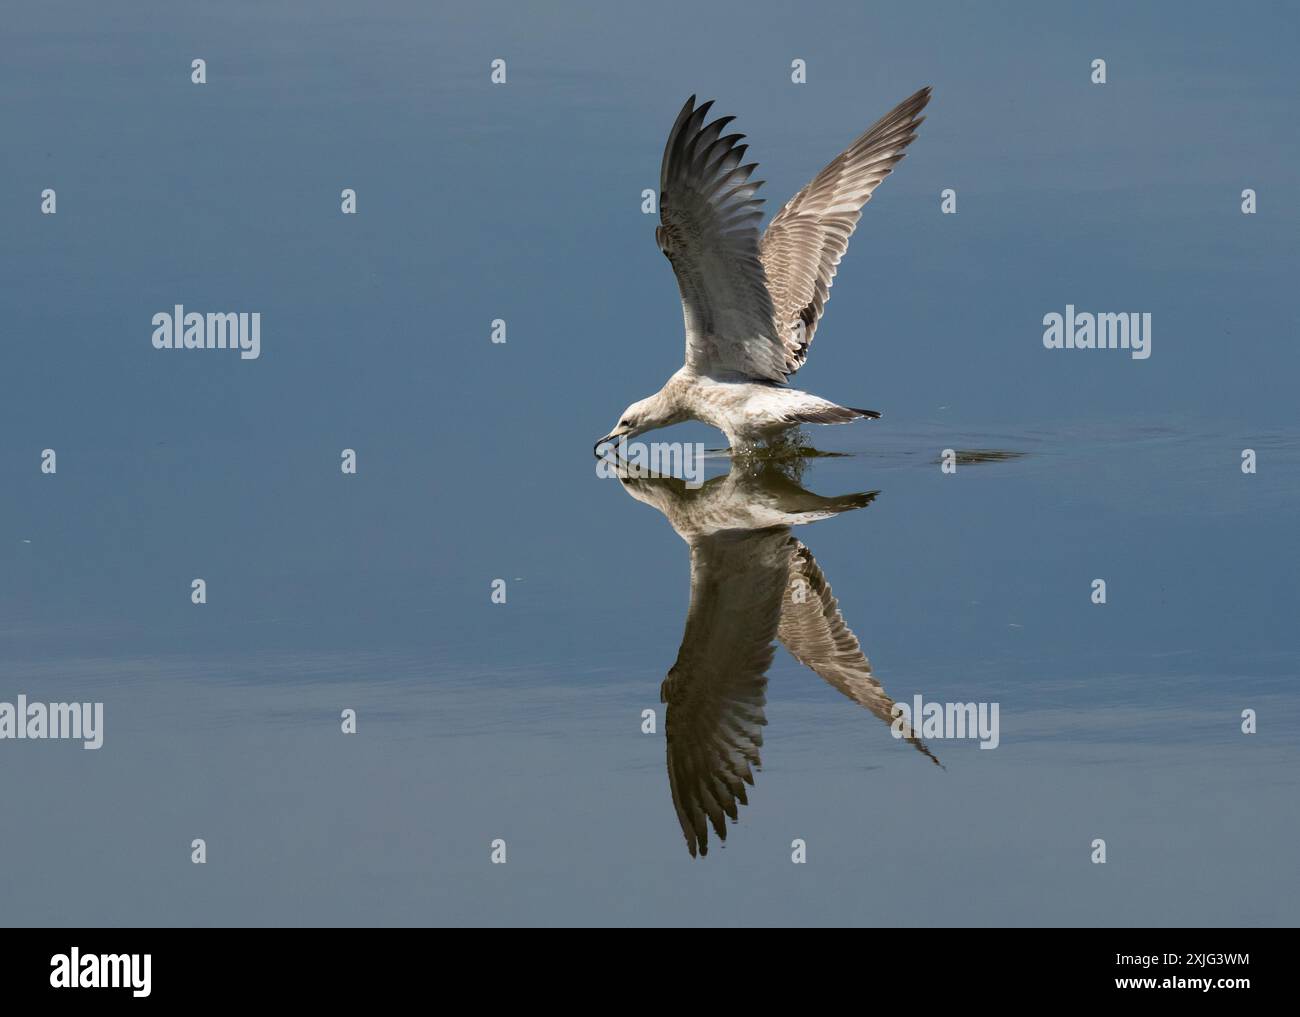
716	690
709	219
804	243
813	630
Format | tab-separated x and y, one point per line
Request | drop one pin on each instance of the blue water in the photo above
522	721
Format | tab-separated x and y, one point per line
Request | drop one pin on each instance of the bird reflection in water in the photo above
753	584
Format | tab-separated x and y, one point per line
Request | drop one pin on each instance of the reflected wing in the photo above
709	230
813	630
804	243
717	688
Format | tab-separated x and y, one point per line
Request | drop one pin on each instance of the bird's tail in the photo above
830	413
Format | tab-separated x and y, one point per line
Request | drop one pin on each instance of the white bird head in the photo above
644	415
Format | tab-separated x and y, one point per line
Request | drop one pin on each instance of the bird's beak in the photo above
603	441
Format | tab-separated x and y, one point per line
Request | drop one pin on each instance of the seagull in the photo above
753	584
752	303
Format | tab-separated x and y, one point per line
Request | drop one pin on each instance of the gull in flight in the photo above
753	584
752	303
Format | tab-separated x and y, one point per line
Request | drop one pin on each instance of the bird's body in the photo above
748	412
751	303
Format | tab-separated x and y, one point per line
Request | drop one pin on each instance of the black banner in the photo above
168	966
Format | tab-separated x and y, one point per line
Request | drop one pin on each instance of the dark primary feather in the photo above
709	215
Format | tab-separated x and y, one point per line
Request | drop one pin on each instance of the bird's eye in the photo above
623	422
